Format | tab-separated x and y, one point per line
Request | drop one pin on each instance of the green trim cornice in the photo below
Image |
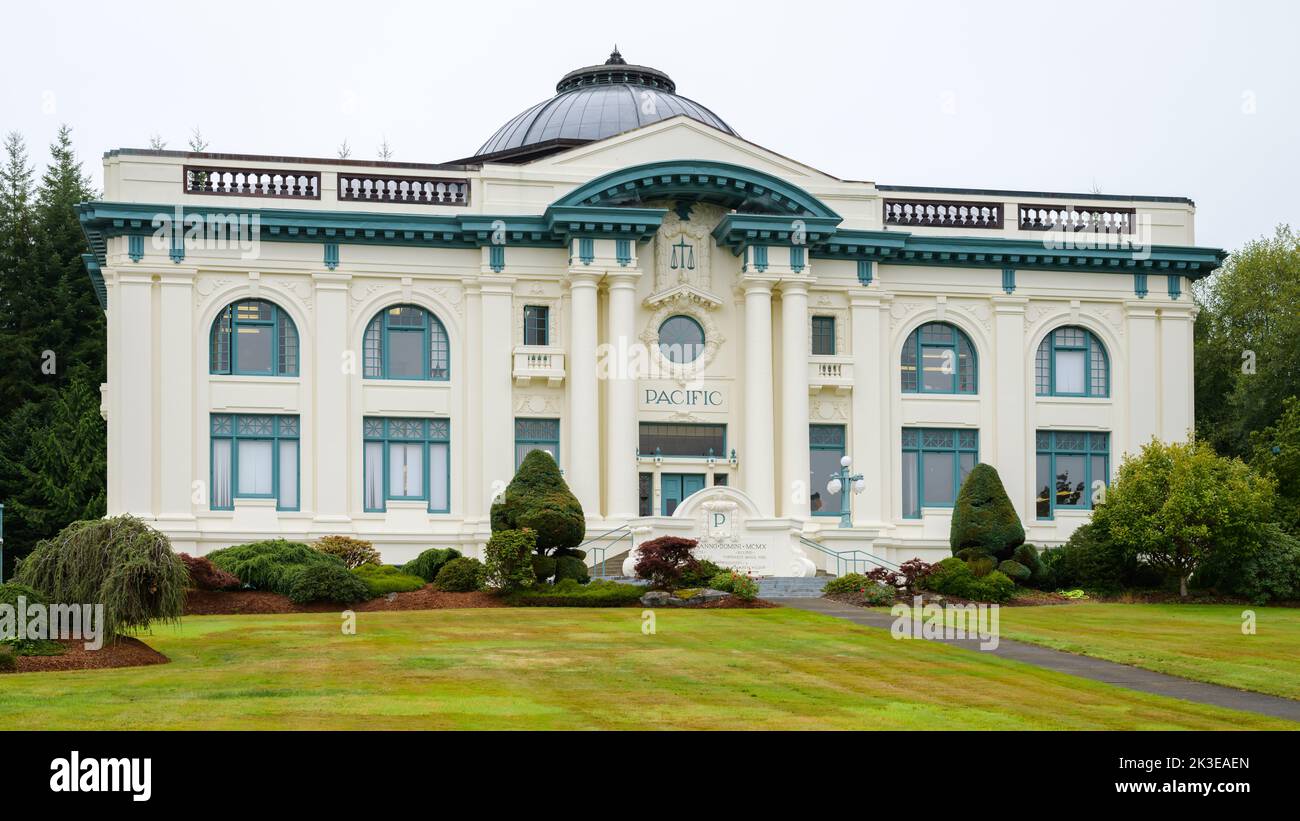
739	231
735	186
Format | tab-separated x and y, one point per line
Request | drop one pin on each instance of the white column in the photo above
795	469
1143	377
621	422
176	401
1177	381
498	424
1009	453
470	433
871	392
583	475
133	394
331	409
757	463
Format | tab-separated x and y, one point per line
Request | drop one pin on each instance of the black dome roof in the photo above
593	103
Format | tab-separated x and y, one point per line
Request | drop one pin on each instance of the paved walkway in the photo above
1121	675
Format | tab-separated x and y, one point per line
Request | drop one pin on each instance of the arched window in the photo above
938	358
406	342
681	339
1071	361
253	337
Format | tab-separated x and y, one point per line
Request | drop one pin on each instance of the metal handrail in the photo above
851	560
603	550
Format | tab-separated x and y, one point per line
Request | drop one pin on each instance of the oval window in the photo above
681	339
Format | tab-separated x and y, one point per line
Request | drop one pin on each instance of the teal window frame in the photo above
1094	353
721	457
524	437
922	340
922	441
223	341
392	430
823	336
1053	444
376	345
823	438
537	325
239	427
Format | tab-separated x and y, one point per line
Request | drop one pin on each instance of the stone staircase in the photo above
786	587
613	567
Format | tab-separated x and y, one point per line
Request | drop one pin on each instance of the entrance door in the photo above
675	487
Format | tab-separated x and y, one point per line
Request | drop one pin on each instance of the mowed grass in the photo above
1201	642
550	668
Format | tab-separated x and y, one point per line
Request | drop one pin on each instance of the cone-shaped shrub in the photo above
538	499
984	519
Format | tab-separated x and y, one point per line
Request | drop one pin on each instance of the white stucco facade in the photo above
809	330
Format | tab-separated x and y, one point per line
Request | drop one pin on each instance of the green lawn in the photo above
1202	642
577	668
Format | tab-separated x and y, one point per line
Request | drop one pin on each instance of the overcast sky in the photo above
1187	98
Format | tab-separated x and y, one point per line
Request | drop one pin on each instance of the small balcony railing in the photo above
830	373
541	364
943	214
1077	218
415	190
252	182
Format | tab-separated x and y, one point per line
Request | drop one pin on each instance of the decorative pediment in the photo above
683	256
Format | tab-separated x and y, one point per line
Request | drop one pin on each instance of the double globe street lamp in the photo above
842	481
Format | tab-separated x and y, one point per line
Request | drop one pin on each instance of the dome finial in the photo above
615	59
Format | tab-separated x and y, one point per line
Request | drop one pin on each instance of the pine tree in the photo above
18	299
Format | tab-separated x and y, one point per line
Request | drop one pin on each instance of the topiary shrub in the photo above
428	563
1040	577
382	579
953	577
543	567
271	565
507	560
120	562
995	588
204	575
461	575
538	499
981	566
1015	571
983	519
327	583
664	560
568	567
352	552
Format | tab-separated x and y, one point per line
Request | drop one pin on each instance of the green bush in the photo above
328	583
271	565
983	518
538	499
569	593
428	563
543	567
120	562
1015	571
461	575
876	594
1093	561
953	577
568	567
8	663
10	591
722	581
995	587
1040	577
701	573
981	565
848	583
743	587
352	552
1269	573
382	579
507	560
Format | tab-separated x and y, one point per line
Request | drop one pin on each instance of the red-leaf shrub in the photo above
664	560
204	575
913	572
884	576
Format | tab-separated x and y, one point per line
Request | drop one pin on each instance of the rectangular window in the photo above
646	494
826	448
406	460
823	336
537	322
935	463
536	434
405	353
683	439
254	456
1071	467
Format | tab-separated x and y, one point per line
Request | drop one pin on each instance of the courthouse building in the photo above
697	327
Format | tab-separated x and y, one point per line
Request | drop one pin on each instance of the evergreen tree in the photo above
18	231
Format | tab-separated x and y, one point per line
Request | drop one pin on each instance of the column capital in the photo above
756	285
623	278
583	279
796	286
1009	304
330	280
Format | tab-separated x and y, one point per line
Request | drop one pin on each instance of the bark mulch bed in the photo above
124	652
1024	597
733	603
257	602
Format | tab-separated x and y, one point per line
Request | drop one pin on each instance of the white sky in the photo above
1191	98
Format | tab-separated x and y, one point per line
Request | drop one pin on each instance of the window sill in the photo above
1068	400
257	379
922	397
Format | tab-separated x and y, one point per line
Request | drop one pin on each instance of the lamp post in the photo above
843	481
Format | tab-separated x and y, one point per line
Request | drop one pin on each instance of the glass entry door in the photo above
675	487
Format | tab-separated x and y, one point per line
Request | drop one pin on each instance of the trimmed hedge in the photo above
543	567
461	575
953	577
271	565
983	519
428	563
328	583
570	567
569	593
382	579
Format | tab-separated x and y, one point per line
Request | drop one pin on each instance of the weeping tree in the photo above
120	562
